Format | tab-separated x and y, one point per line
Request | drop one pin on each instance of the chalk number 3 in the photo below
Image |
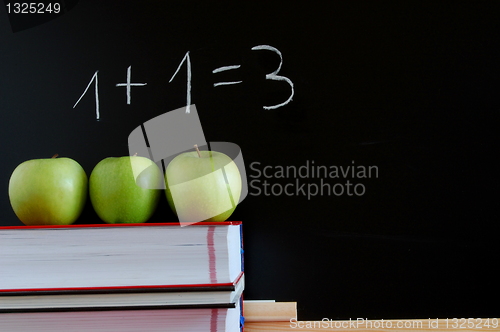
274	75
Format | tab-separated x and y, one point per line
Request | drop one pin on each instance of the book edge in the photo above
229	286
221	223
118	308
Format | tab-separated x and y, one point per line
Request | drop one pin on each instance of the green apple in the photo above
120	191
49	191
203	186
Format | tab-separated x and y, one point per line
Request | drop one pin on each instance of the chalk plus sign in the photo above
128	84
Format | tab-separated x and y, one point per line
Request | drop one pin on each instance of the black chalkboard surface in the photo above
398	101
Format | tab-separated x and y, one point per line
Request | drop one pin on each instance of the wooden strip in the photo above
282	316
269	311
434	325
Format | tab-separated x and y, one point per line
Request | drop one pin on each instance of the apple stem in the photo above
197	150
55	156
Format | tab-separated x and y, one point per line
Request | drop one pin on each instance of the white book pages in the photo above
118	256
173	320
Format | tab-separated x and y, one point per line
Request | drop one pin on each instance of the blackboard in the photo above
409	89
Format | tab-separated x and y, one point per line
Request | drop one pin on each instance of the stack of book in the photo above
124	277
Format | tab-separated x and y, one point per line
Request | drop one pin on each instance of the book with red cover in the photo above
158	320
102	265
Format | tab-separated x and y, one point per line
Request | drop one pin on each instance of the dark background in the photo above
407	86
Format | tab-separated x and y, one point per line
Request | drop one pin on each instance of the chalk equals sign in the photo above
225	68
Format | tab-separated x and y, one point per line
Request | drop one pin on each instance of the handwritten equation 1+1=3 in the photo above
187	61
